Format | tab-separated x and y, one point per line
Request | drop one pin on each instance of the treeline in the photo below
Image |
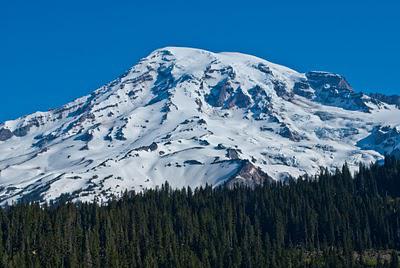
327	221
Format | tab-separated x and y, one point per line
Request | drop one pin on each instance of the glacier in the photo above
193	117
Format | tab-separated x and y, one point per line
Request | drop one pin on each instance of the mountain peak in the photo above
192	117
329	80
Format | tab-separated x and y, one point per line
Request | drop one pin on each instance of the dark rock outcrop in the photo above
302	88
43	140
192	162
21	131
238	99
292	135
232	153
333	90
220	146
262	103
163	83
248	175
152	147
392	99
263	68
5	134
220	93
282	90
319	80
86	137
382	139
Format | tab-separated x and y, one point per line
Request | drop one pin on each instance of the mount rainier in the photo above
193	117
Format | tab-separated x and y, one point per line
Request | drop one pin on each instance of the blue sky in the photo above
54	51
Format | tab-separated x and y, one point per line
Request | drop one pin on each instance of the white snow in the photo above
97	145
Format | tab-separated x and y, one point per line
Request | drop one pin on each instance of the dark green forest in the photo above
332	220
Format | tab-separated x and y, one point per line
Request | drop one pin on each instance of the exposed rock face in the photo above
303	88
384	139
334	90
290	134
41	140
85	137
249	175
282	90
328	81
152	147
224	95
262	103
192	162
232	153
393	99
21	131
220	94
5	134
238	99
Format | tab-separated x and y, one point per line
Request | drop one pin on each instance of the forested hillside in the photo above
333	220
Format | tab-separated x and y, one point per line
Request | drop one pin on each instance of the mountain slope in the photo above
193	117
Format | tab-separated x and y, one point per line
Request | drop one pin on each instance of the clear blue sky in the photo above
54	51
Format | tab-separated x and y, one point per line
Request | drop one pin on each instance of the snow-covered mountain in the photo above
191	117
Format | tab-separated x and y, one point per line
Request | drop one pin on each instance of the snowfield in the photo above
191	117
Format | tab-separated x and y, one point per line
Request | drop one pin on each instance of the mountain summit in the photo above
191	117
